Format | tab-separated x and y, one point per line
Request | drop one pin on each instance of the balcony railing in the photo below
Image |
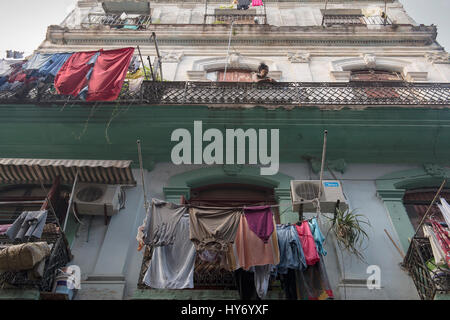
428	283
361	20
294	93
116	22
280	93
237	18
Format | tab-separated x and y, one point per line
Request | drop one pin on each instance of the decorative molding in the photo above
438	57
370	60
232	169
276	75
434	170
172	56
341	76
341	69
416	76
196	75
299	57
234	60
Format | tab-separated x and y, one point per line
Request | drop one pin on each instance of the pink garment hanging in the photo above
4	228
443	239
308	244
256	3
260	221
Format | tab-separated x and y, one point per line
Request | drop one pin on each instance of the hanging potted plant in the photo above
348	227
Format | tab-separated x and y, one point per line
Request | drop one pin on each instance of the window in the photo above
375	75
417	202
235	75
378	75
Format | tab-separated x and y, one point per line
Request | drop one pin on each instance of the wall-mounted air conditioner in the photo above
305	191
91	198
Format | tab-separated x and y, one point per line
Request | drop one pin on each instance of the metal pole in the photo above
142	61
385	12
151	68
159	56
228	52
395	245
71	200
142	174
323	163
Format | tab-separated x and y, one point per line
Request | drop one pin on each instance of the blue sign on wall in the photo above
331	184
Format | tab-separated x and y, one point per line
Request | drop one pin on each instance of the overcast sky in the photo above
23	23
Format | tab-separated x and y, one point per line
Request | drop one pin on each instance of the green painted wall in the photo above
374	135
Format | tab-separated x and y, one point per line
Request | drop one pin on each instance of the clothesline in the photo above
244	207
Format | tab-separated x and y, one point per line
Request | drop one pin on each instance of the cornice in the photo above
249	35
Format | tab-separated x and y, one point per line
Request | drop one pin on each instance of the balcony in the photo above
341	17
236	93
114	21
227	16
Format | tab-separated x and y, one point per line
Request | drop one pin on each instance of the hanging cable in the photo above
228	51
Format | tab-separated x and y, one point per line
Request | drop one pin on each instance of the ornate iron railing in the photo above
237	18
297	93
355	20
280	93
115	21
427	282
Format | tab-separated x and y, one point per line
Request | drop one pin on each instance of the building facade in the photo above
365	71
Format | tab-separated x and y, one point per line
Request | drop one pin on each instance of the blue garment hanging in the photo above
318	236
37	61
54	64
83	93
291	251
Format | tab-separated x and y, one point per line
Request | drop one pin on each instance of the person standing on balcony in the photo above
262	74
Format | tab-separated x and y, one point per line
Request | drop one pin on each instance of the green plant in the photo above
348	228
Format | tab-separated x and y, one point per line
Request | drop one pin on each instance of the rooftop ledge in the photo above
243	94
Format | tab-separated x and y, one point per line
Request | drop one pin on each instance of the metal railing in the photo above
295	93
280	93
237	18
355	20
427	282
115	21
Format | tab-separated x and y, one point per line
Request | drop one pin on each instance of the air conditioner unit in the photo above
91	198
305	191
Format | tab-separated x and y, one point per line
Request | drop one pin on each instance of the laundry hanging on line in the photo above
172	266
257	3
28	224
249	257
99	75
162	222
